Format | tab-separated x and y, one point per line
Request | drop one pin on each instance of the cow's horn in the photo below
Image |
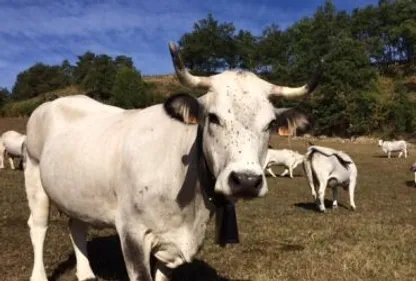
183	74
299	91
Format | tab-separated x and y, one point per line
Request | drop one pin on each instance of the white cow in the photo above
155	175
393	146
326	166
11	143
288	158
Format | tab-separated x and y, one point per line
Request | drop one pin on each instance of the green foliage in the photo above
38	79
129	90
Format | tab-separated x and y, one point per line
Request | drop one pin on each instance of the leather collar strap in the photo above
226	219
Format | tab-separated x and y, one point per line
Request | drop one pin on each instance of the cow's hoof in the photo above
334	206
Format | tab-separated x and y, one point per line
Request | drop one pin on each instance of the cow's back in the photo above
56	116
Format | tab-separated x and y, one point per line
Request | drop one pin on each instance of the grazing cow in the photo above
11	148
393	146
286	157
156	175
326	166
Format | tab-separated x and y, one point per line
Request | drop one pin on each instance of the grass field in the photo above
282	236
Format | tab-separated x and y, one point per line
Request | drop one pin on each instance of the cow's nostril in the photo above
258	180
234	178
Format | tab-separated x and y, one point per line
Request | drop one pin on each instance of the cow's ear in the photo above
184	108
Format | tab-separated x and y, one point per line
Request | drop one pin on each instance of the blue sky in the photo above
49	31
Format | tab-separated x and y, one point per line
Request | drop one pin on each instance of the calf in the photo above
285	157
393	146
326	166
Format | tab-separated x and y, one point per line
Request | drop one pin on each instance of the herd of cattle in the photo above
158	174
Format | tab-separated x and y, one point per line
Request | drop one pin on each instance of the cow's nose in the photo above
246	180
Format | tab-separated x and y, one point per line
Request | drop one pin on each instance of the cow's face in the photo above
380	142
237	119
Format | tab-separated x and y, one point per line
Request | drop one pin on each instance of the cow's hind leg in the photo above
11	161
270	171
39	215
2	155
400	154
335	196
79	242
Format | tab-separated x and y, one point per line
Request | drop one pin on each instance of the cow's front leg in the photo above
162	273
79	242
285	172
389	154
136	251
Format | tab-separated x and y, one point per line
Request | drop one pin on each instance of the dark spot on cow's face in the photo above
146	188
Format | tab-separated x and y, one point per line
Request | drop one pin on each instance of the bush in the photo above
129	90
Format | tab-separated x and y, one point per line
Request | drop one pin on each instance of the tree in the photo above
38	79
210	46
4	96
129	90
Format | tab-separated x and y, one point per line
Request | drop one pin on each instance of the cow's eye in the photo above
213	118
271	125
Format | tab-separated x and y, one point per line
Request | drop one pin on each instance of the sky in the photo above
50	31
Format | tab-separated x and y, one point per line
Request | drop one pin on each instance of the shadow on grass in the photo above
410	184
311	206
107	263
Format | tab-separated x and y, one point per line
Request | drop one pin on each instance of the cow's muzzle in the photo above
245	185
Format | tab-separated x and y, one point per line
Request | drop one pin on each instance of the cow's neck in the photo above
207	179
226	221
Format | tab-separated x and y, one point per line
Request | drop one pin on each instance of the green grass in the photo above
282	235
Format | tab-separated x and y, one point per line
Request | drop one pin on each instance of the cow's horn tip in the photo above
172	46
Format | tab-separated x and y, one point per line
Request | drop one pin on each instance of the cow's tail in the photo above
23	159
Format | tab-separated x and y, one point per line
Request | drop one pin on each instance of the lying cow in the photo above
393	146
156	175
11	144
288	158
326	166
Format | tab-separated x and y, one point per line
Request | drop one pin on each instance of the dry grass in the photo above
282	236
